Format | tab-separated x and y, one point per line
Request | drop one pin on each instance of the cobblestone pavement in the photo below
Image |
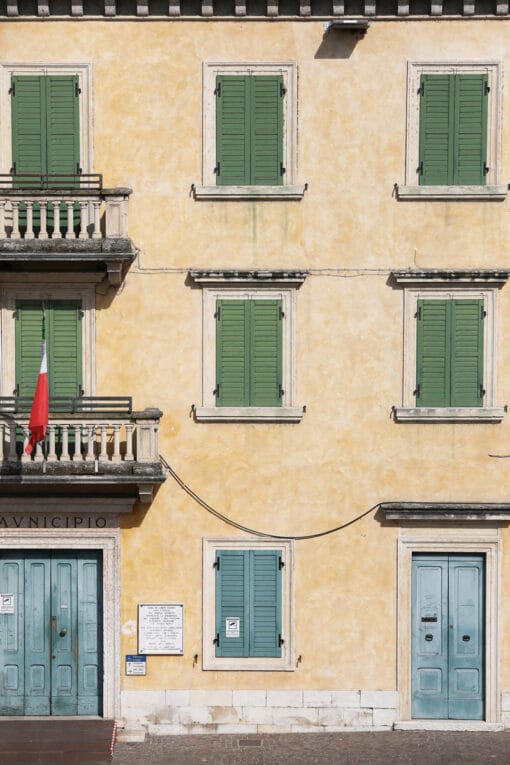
404	748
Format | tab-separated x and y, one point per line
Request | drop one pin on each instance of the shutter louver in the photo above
467	353
265	615
232	595
470	129
232	343
29	124
63	128
28	346
265	352
433	353
232	131
64	349
266	131
436	130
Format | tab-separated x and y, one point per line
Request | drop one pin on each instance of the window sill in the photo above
490	193
254	664
450	414
249	414
250	192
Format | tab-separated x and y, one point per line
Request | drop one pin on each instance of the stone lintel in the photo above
446	511
433	276
259	276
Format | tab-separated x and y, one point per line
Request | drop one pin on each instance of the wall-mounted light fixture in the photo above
359	26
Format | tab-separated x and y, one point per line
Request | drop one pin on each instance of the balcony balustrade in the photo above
34	206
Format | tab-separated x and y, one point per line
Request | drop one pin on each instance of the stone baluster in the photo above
39	452
52	453
43	232
65	443
2	440
56	220
2	219
116	457
70	220
129	456
272	7
15	220
26	437
29	233
97	226
174	7
13	452
79	436
103	454
90	435
84	208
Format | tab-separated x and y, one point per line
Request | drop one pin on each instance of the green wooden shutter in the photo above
28	339
232	598
471	97
467	352
265	352
433	353
266	130
436	147
29	124
232	130
65	348
232	352
63	125
265	603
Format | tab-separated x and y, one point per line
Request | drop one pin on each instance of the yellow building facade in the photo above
361	509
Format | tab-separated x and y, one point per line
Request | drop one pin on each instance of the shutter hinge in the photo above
417	391
15	314
77	89
216	564
281	392
282	169
217	169
482	390
81	391
13	169
217	89
217	313
283	89
487	89
16	390
420	168
281	313
483	312
281	641
418	313
12	90
81	314
216	640
216	392
485	168
281	562
421	89
79	170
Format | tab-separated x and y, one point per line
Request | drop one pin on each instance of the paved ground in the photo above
404	748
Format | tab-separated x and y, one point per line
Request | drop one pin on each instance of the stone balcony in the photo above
64	222
91	444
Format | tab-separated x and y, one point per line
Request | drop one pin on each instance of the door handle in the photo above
63	632
466	638
429	637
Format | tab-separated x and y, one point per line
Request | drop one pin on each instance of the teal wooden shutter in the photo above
63	124
232	130
232	598
249	588
28	339
266	603
436	148
433	353
471	97
449	353
467	352
266	130
266	352
232	352
28	124
64	348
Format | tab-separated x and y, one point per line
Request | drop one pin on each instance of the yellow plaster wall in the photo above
347	454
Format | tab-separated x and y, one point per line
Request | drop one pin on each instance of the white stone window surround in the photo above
489	412
289	411
84	73
108	541
32	287
450	538
284	663
493	189
290	189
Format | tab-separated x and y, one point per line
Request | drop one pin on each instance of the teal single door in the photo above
448	637
50	633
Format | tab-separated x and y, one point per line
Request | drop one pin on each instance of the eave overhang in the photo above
446	511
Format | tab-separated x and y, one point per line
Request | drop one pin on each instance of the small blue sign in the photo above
136	664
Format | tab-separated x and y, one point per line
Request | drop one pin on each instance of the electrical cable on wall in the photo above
184	486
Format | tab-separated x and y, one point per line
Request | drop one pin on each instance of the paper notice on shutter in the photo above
6	603
232	626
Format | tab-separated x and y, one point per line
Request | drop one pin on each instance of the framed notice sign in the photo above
160	628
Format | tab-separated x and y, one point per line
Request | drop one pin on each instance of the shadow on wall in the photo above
338	43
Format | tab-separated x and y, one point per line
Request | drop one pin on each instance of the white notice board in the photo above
160	628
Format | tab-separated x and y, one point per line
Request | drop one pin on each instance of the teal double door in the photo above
51	633
448	640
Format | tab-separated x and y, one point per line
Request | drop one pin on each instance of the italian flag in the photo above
40	407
